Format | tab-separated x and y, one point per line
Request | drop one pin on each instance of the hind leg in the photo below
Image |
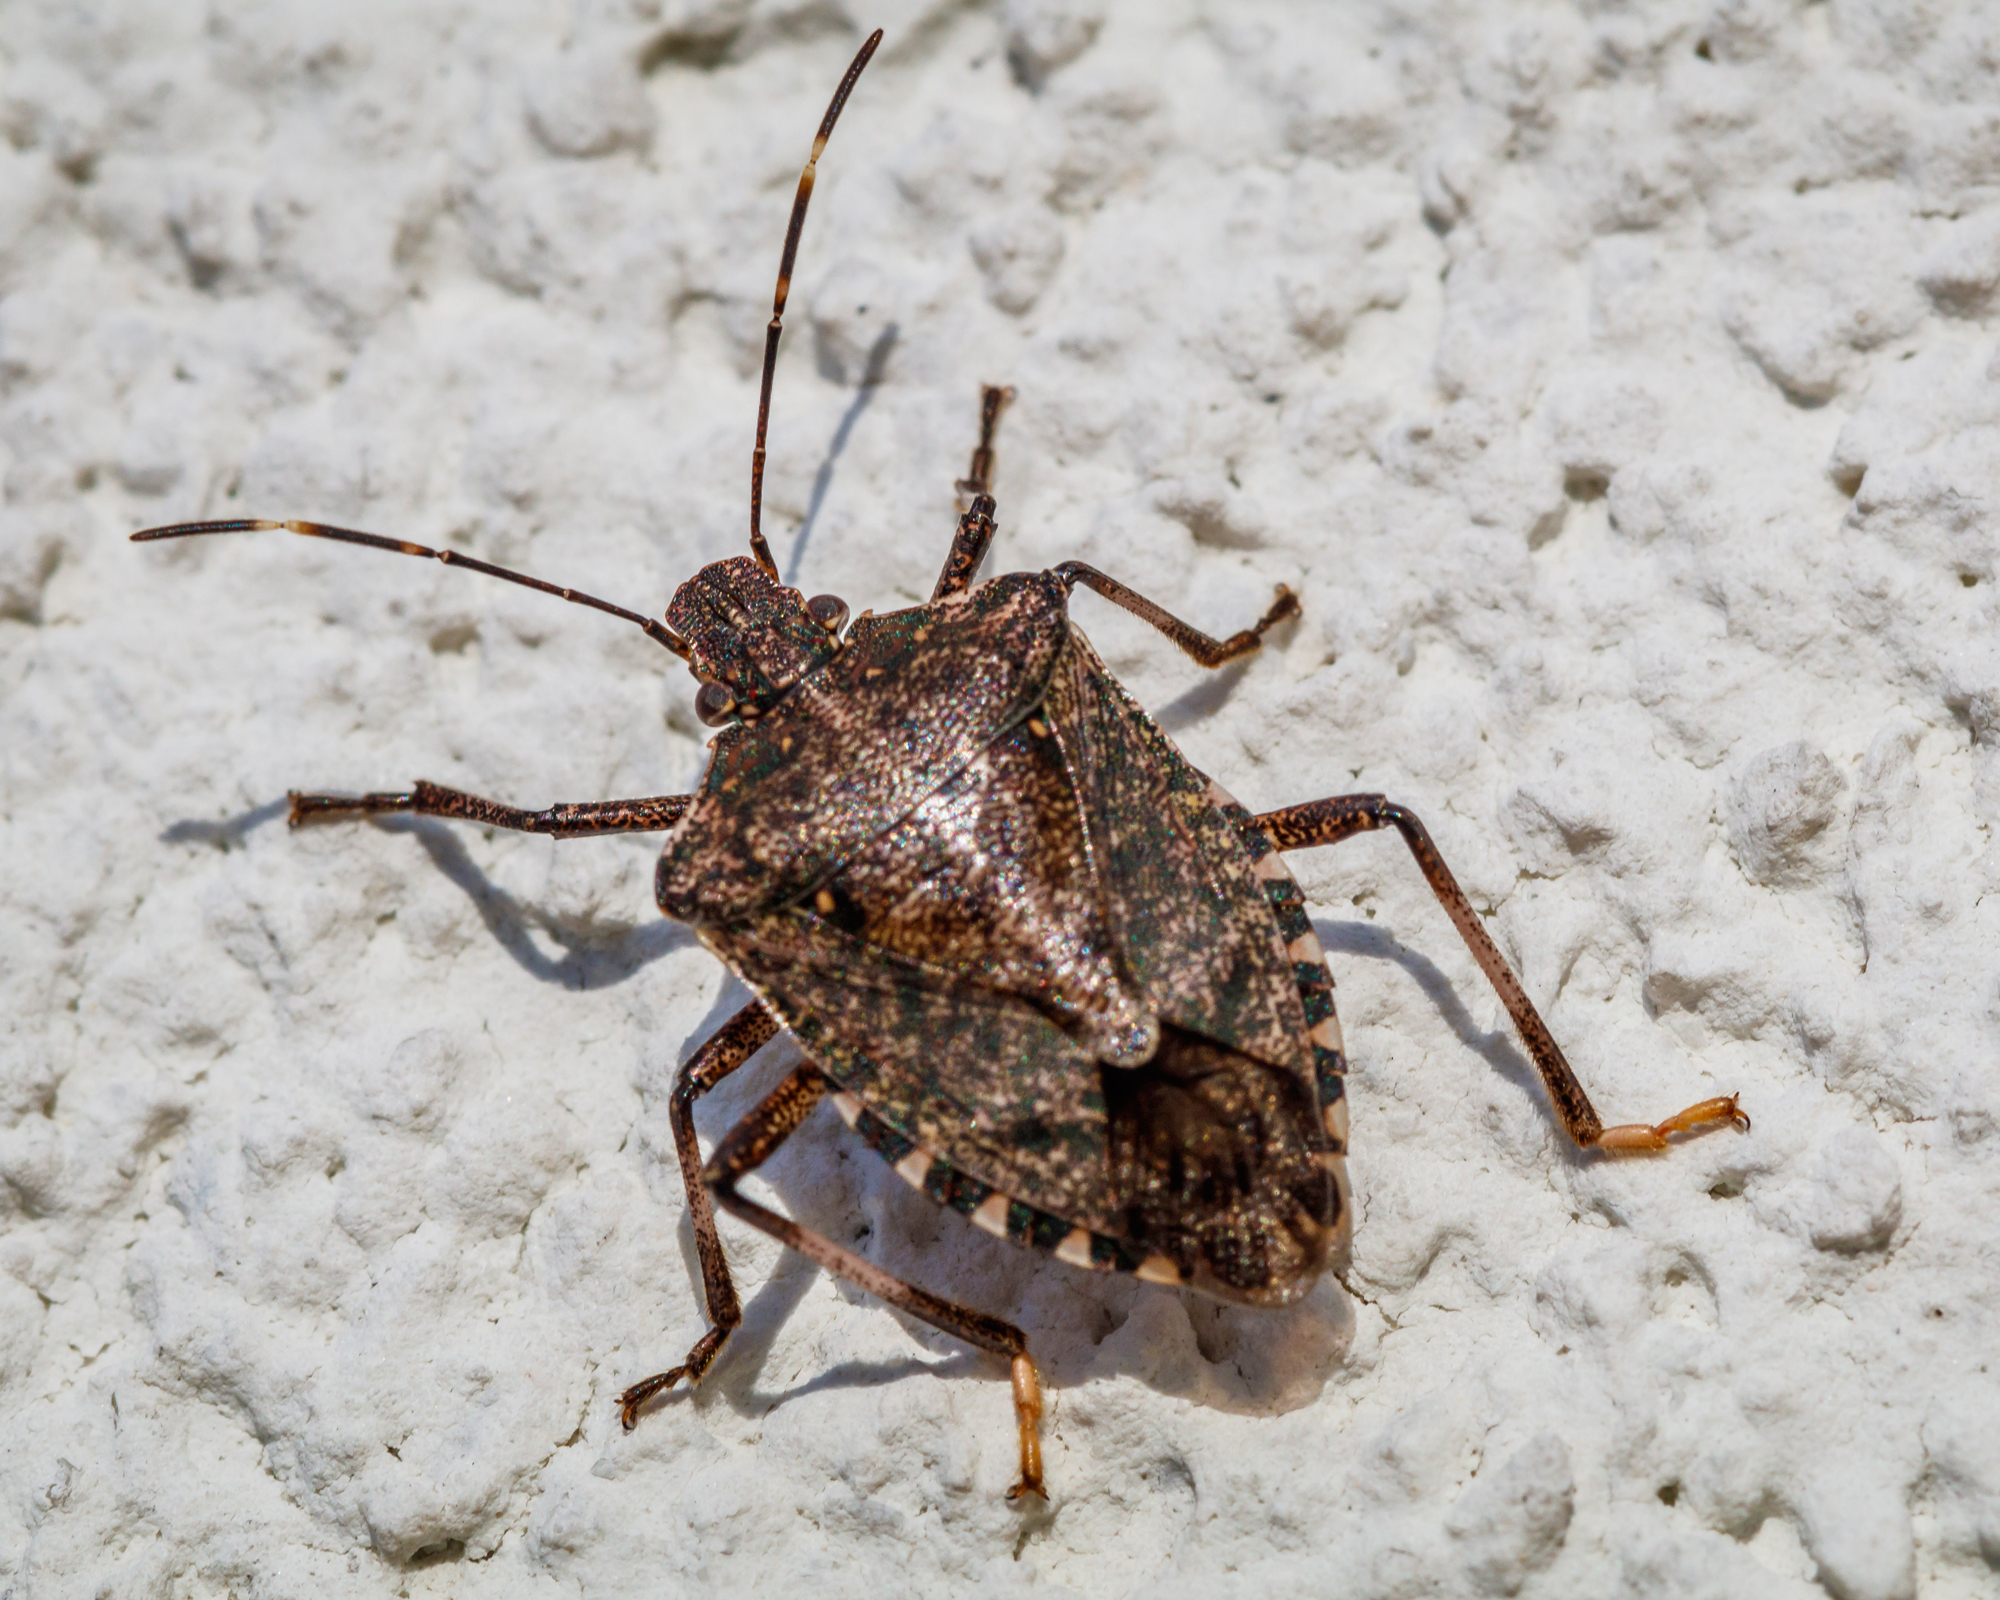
1320	822
734	1043
750	1143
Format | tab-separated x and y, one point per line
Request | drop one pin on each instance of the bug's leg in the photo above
1329	821
994	398
564	821
975	527
1208	652
734	1043
750	1143
968	548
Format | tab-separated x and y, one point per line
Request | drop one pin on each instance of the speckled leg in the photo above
734	1043
572	821
1320	822
750	1143
1199	646
975	489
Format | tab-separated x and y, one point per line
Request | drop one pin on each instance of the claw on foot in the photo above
305	805
328	807
1638	1136
697	1363
633	1398
1028	1415
1286	604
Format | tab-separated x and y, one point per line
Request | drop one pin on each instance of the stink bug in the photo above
1051	973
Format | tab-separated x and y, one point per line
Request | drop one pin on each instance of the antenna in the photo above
658	632
758	547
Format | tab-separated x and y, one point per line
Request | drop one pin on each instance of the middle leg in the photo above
572	821
1320	822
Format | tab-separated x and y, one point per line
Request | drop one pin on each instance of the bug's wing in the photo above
965	978
1223	1167
1202	1157
852	748
975	1075
1219	1153
1180	893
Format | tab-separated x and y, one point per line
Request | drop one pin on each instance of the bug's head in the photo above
749	638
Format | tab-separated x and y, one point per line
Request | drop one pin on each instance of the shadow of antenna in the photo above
871	378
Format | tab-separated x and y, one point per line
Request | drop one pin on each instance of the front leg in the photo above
1197	645
1330	821
573	821
975	489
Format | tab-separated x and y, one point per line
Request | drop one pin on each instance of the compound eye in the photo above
714	704
829	611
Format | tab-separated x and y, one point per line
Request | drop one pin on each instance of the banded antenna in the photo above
658	632
758	548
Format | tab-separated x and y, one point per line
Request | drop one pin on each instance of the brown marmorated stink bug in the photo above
1052	974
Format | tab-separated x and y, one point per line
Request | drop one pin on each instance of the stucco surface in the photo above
1617	384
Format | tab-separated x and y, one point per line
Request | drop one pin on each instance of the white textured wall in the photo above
1616	382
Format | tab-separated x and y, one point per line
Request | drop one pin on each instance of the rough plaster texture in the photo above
1616	382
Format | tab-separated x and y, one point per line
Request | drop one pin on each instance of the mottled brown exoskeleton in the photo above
1052	974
